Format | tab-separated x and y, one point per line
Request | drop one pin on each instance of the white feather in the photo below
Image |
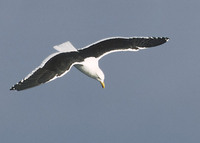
65	47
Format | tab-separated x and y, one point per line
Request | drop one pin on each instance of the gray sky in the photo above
150	96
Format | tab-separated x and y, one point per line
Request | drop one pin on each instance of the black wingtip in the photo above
13	88
166	38
162	38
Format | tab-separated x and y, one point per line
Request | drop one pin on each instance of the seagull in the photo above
86	59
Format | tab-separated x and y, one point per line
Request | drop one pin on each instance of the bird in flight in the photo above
86	59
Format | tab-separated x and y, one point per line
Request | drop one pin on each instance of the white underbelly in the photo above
89	67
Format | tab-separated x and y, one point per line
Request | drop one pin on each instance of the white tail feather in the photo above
65	47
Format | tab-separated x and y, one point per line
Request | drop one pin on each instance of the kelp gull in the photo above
85	59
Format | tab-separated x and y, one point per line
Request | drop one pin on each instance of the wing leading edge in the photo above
55	67
106	46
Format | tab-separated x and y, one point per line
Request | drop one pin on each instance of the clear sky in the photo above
151	96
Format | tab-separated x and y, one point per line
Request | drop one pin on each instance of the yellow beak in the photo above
102	84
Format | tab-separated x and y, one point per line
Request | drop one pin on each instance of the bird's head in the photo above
100	78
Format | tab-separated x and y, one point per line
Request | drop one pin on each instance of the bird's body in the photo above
85	59
89	67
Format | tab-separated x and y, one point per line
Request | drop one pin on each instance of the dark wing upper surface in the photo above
54	67
104	47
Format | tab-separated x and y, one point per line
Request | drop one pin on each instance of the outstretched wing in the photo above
54	67
104	47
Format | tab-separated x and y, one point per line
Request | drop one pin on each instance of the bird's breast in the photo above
89	67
